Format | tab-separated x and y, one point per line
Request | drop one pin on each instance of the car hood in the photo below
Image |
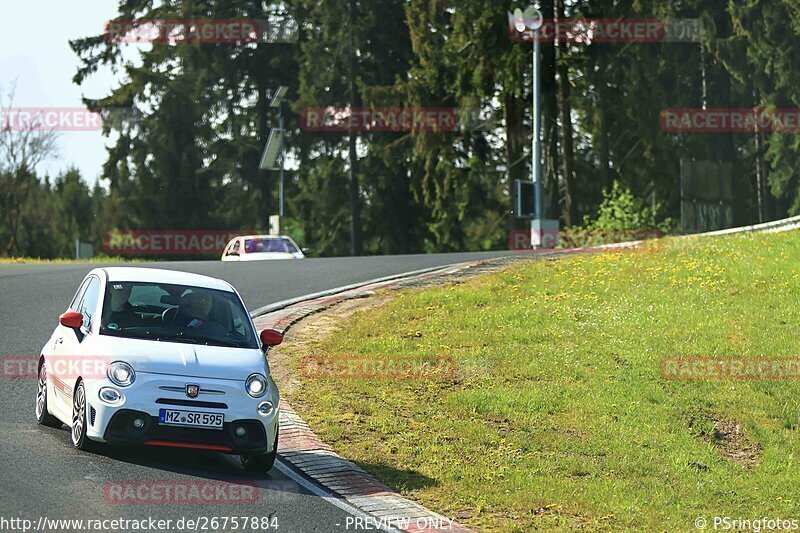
182	359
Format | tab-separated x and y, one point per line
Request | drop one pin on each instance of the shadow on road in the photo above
197	464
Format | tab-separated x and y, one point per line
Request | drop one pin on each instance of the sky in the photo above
35	52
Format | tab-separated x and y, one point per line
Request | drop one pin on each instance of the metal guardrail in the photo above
330	292
785	224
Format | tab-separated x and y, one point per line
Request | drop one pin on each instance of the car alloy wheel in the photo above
42	415
78	433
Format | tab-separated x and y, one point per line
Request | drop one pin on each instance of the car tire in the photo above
78	430
43	416
260	463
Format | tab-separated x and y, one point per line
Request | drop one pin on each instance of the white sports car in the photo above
161	358
262	248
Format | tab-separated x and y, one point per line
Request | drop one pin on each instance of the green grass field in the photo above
558	416
96	259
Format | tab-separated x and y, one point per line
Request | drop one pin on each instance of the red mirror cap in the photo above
271	337
71	319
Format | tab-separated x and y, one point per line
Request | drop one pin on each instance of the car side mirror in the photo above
71	319
305	250
270	337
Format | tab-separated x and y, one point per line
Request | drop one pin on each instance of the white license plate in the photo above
195	419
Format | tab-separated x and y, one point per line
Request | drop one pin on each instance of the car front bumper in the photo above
120	430
152	392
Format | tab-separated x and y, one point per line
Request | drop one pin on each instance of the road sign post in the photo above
274	149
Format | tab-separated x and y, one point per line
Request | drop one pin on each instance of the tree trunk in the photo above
355	209
516	140
550	204
565	116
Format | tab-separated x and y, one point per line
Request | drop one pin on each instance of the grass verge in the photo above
96	259
558	416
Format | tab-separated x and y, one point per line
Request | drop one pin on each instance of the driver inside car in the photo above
195	314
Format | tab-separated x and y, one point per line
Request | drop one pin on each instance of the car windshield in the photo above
267	244
159	311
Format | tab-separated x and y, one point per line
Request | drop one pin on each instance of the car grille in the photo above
192	403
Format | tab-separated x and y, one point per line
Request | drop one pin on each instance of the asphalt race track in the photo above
43	476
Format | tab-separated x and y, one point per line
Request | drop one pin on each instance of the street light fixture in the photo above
277	98
274	148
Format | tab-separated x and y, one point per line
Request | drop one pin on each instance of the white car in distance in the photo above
161	358
262	248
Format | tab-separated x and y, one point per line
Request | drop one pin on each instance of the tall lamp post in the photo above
531	20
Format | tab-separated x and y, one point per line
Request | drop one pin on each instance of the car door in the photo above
72	356
55	356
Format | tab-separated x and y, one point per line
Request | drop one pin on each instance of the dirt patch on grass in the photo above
734	444
728	437
309	331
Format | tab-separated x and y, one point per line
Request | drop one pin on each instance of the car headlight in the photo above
265	408
111	396
121	374
256	385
